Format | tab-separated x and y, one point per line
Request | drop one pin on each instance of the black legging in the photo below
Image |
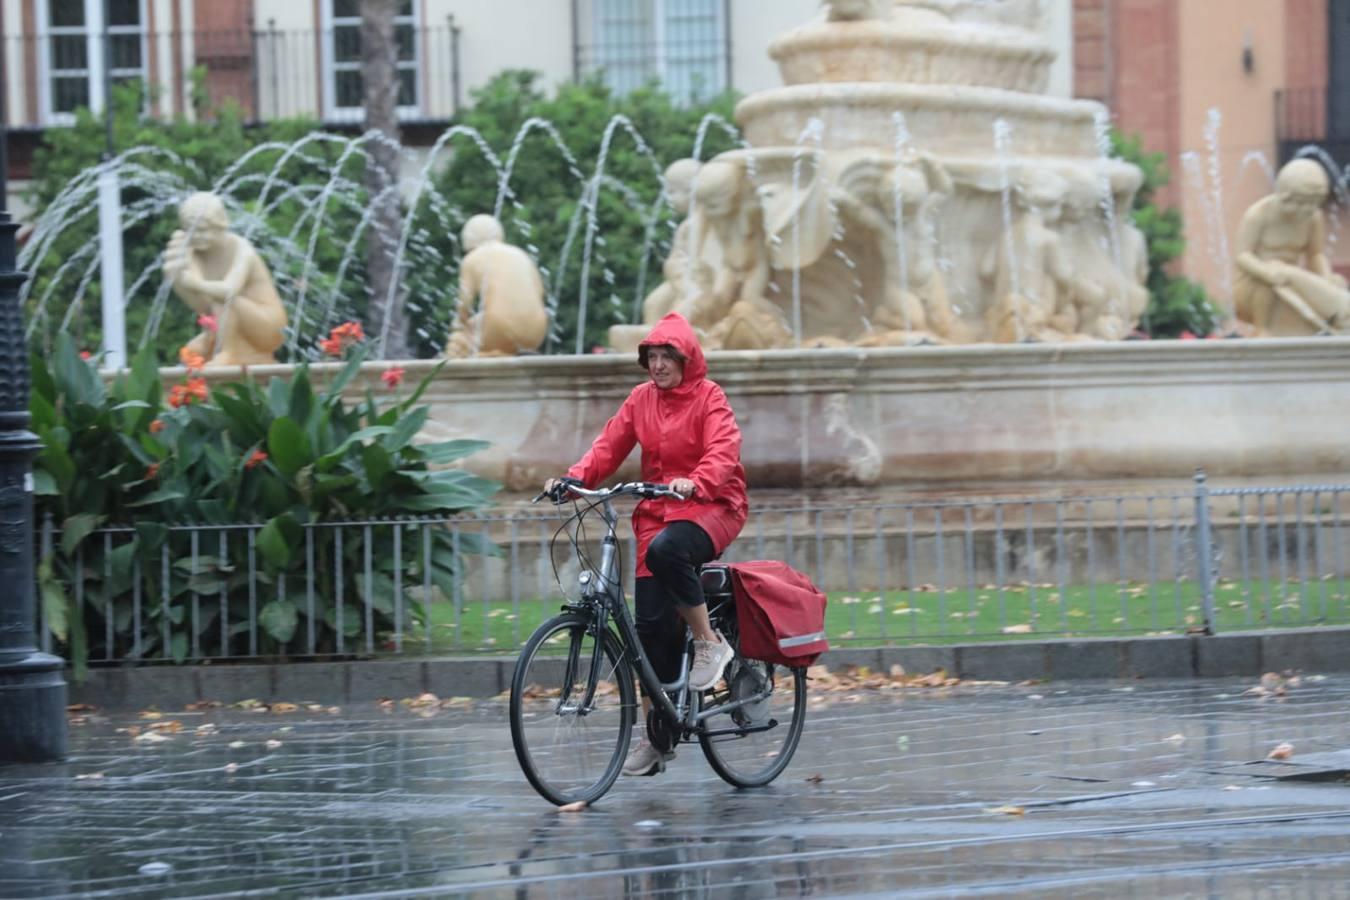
673	557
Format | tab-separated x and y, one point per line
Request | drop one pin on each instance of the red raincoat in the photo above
688	431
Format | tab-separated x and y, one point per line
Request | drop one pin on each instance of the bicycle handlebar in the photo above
644	489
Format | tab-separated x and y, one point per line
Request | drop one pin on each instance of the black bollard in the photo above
32	689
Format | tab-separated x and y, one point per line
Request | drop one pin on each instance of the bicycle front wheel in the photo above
571	732
753	743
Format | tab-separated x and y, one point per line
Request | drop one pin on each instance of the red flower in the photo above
86	355
152	472
342	337
209	323
256	459
1186	336
352	331
157	426
392	377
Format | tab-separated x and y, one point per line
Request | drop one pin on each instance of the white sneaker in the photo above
710	659
646	760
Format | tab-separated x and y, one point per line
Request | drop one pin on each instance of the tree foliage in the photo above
544	206
1177	304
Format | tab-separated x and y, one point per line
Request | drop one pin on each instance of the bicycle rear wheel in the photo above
570	749
758	739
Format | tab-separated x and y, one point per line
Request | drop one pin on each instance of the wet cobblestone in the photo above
1105	790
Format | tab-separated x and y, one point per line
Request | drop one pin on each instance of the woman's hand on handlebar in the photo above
684	487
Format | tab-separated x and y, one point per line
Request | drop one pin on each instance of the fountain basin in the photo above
887	52
929	418
941	119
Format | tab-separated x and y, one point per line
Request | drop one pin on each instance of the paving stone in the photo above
1307	650
1083	659
1228	654
1007	661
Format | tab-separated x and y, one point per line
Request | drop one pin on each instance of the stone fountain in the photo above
913	276
912	183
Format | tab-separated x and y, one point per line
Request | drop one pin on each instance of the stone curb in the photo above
329	683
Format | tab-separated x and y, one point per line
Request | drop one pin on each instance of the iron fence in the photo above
1199	561
266	73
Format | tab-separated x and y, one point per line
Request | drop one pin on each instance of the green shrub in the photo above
119	469
1177	304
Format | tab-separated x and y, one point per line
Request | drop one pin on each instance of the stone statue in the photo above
734	313
1034	290
857	10
1285	285
684	274
1103	301
223	279
896	202
503	285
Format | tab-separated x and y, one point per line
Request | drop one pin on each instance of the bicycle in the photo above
572	697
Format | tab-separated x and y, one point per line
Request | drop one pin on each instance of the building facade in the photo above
279	58
1228	90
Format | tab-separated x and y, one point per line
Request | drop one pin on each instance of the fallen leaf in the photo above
272	744
1282	751
151	714
1008	810
232	767
150	737
201	705
816	778
81	708
284	707
235	745
247	705
1017	629
573	807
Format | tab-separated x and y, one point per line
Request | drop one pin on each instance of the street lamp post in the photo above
32	690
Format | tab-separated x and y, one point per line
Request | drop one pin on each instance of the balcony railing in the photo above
1306	117
268	73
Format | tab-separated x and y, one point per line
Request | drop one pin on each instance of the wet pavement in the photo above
1056	790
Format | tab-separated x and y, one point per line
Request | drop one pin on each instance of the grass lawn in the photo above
961	614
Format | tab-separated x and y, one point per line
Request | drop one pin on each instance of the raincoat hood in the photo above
676	331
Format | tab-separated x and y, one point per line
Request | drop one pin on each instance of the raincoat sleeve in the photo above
721	447
610	449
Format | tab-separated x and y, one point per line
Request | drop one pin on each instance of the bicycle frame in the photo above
605	601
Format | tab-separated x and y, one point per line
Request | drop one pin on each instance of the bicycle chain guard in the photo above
660	733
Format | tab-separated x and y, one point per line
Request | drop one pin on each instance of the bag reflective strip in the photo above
785	643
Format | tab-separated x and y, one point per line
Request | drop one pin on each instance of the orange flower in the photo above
152	472
157	426
185	394
392	377
192	360
342	337
350	330
256	459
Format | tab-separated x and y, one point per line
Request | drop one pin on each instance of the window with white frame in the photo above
345	93
71	38
681	43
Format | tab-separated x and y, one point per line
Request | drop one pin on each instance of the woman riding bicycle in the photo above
689	440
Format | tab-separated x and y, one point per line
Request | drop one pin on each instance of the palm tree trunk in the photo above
379	74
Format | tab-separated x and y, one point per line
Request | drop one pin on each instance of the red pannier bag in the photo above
781	614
